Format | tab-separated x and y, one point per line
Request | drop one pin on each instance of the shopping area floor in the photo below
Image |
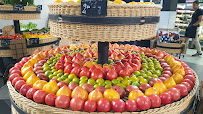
196	63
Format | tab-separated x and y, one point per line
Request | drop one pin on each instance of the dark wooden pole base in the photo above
17	26
103	52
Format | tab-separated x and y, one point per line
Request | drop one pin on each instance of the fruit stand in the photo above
105	77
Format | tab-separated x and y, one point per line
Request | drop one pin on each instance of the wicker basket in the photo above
103	33
15	16
32	107
10	8
113	10
171	47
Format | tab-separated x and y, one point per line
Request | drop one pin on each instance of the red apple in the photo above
101	89
144	87
88	87
120	90
61	84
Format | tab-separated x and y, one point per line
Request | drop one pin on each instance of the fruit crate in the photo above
171	47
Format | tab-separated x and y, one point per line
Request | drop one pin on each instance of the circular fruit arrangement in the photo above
134	78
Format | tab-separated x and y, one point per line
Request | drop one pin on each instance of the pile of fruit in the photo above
135	78
11	37
35	35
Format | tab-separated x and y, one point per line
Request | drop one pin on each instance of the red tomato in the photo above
191	77
175	93
118	105
19	84
76	71
31	92
16	71
68	68
155	100
90	106
143	102
103	105
13	68
12	76
131	105
16	79
111	74
182	88
165	98
96	74
188	81
62	101
39	96
77	104
50	99
187	85
24	89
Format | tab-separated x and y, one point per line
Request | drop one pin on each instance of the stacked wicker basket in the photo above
84	32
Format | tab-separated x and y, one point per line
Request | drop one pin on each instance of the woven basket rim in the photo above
27	103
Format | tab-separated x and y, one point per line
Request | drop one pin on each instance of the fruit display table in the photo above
106	77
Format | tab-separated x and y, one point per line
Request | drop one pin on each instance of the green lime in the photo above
76	80
57	55
67	80
60	79
66	74
51	76
102	84
126	78
115	81
60	71
49	61
71	76
134	79
126	82
84	78
152	68
48	72
143	75
108	86
140	77
136	84
46	69
136	73
83	81
91	81
59	74
108	82
100	80
55	77
148	73
55	73
121	85
142	81
142	71
81	84
154	76
96	86
148	78
53	68
157	72
120	79
64	77
159	68
55	60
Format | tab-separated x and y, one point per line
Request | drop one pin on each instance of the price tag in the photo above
34	41
18	7
94	7
39	7
5	43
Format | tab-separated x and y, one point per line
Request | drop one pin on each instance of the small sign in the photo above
18	7
94	7
39	7
34	41
5	43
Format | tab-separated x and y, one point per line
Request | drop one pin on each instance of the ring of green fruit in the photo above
151	68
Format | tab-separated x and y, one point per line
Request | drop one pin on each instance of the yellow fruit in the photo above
151	90
64	91
39	84
79	92
51	87
26	69
169	83
32	79
160	87
95	95
27	75
133	95
111	95
178	78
